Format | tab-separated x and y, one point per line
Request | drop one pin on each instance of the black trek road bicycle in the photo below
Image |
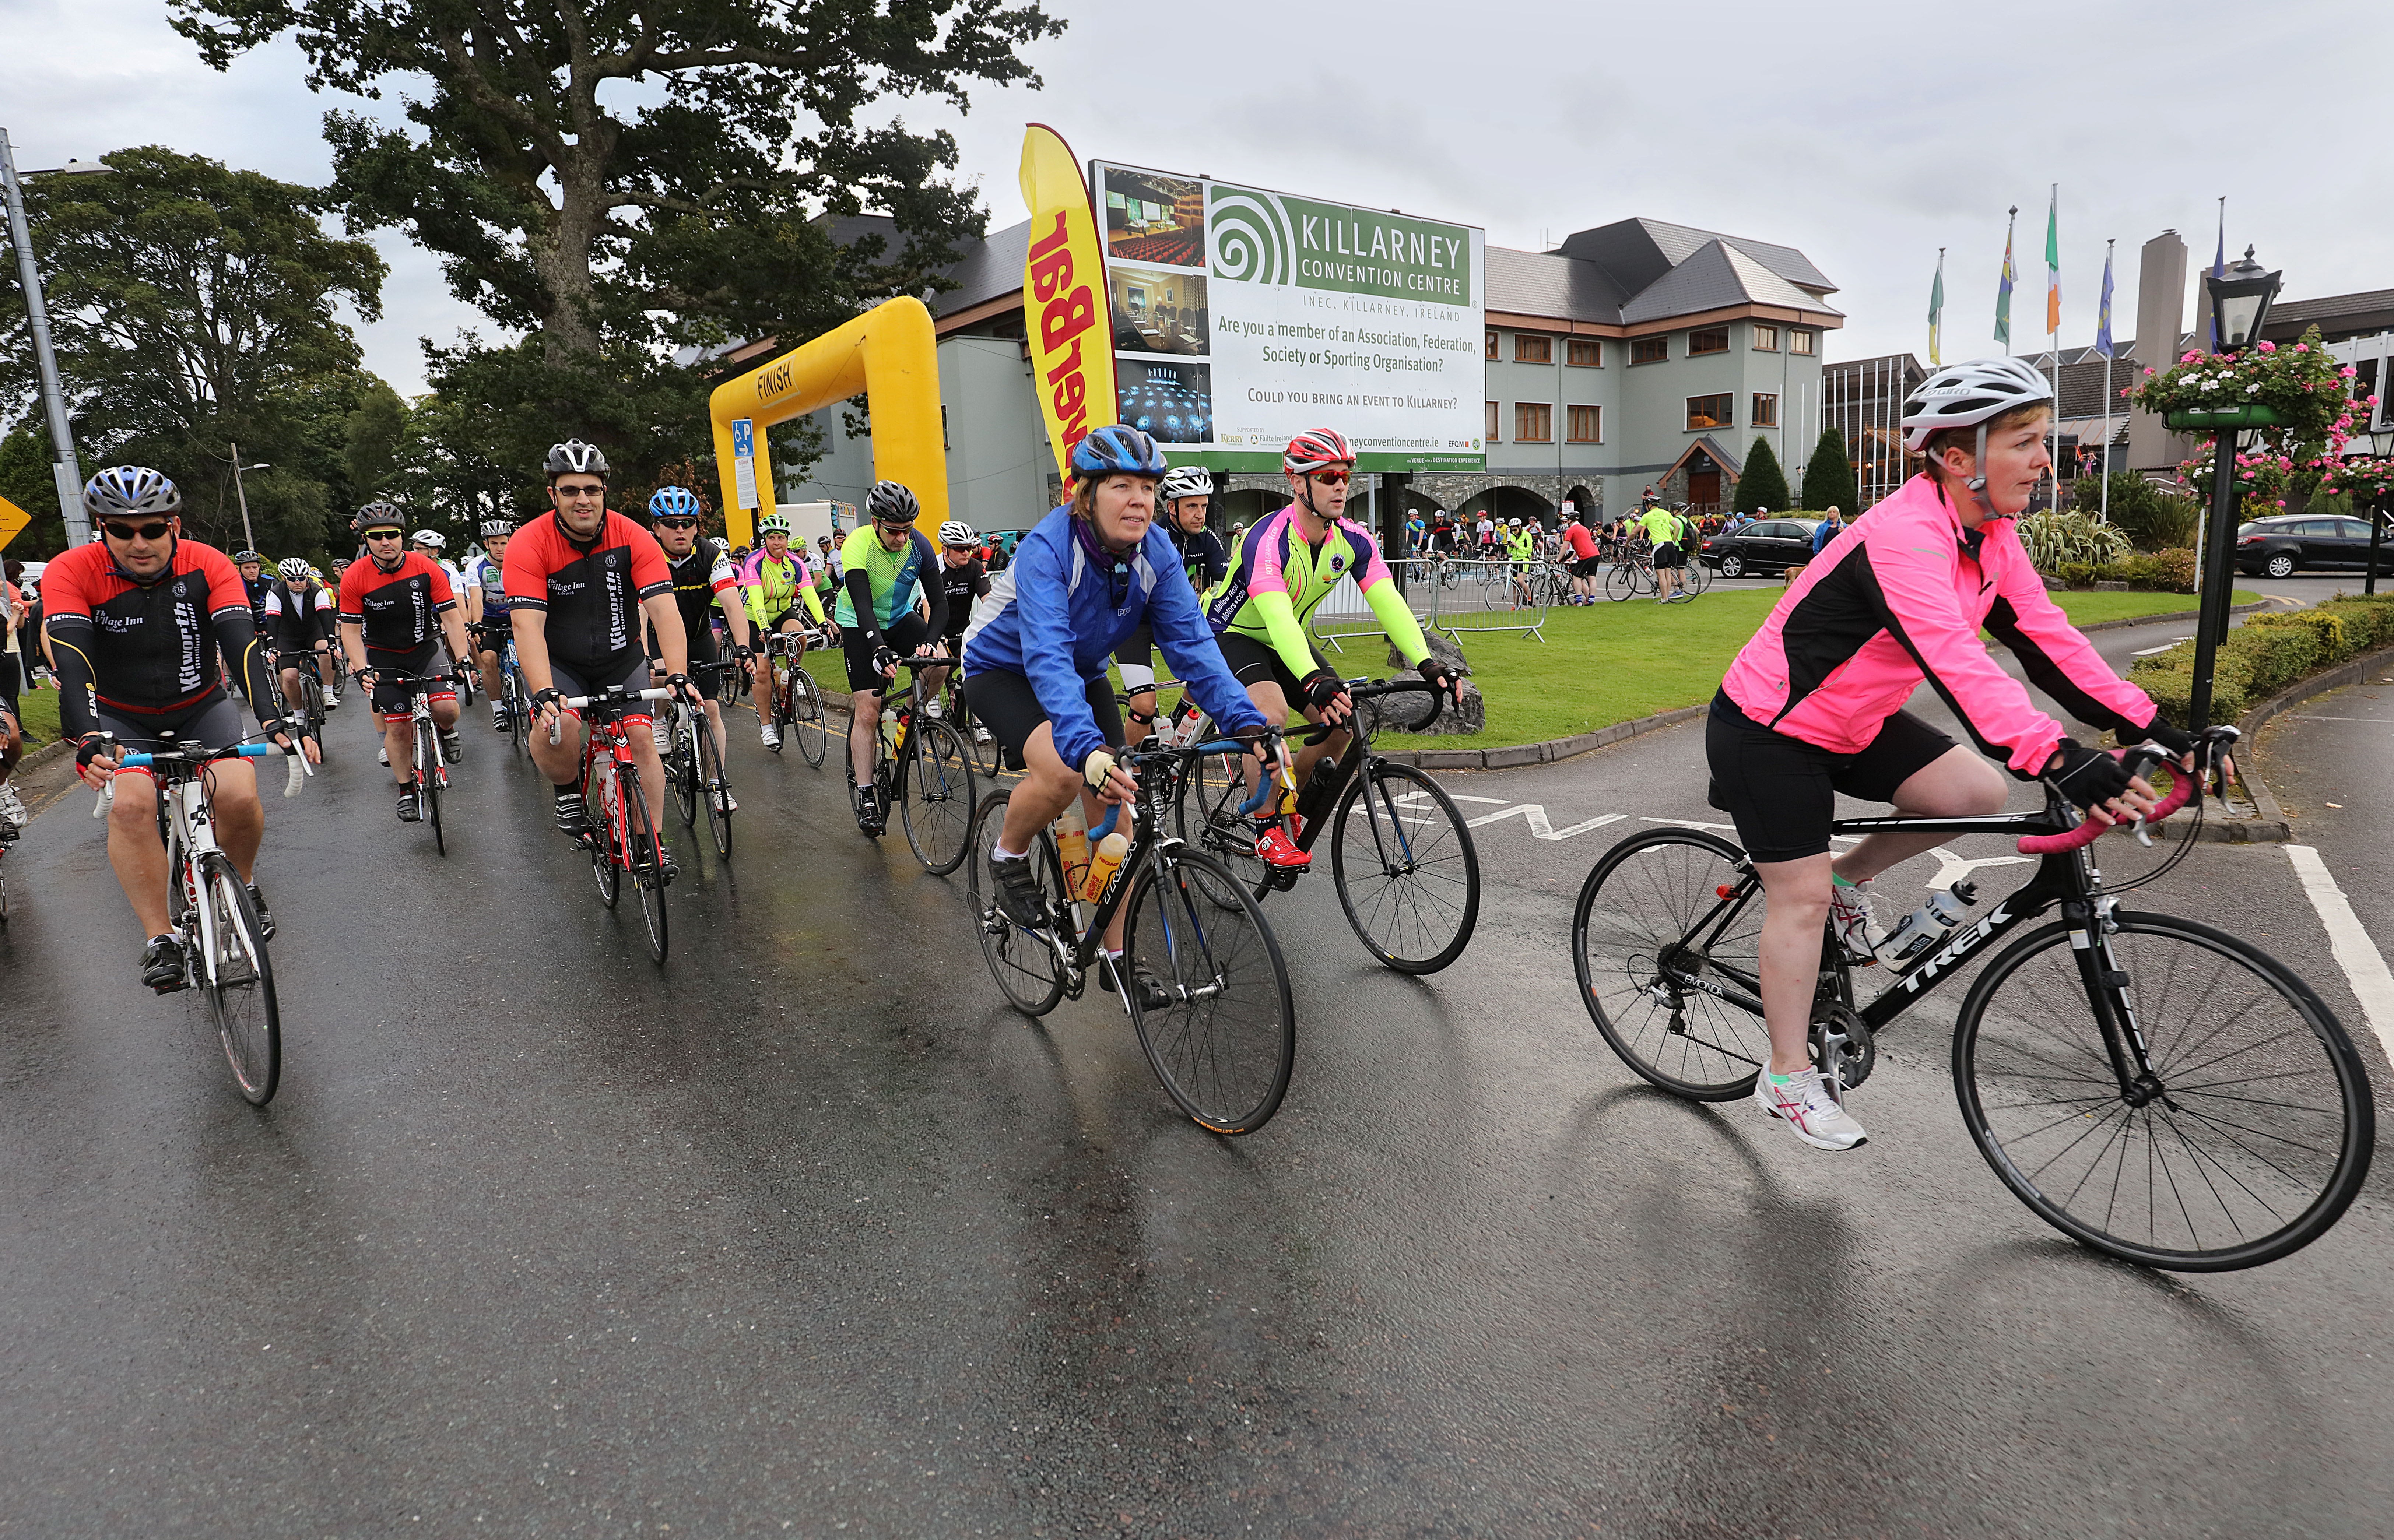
2152	1087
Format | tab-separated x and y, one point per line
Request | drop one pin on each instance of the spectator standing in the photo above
1830	528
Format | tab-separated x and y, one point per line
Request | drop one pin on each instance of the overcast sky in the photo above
1867	134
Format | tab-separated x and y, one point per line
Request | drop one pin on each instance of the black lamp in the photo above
2240	303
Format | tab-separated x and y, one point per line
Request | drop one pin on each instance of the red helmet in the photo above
1316	449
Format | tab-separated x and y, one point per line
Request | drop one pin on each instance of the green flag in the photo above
2053	263
1936	307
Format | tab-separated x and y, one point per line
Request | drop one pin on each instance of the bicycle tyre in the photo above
2226	987
1618	939
806	717
427	782
1205	814
604	868
238	988
1621	582
681	763
1224	1056
935	795
1443	919
644	851
1024	963
518	713
1696	576
714	790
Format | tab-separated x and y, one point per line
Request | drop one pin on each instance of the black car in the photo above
2291	542
1760	547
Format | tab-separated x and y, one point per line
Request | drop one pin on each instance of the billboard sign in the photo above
1242	317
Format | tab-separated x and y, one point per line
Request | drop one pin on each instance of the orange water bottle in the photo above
1072	844
1107	861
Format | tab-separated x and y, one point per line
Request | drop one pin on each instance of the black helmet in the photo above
575	457
891	503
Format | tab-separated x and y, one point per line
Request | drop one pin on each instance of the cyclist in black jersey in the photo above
964	578
703	575
300	618
1186	493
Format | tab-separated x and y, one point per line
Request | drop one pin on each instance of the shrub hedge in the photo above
2266	654
2169	572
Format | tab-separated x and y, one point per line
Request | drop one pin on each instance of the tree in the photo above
615	181
1829	477
193	307
1762	485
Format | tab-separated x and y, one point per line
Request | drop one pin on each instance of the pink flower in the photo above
2269	346
2300	347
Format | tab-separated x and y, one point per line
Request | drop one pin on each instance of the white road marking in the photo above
1692	824
2149	652
2363	965
1535	815
2306	718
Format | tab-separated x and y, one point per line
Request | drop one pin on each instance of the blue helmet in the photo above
1114	450
674	502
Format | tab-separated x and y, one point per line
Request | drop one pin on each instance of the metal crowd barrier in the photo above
1456	596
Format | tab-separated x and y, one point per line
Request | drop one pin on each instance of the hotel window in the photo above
1491	342
1492	419
1532	349
1766	339
1587	424
1711	340
1584	355
1705	412
1799	342
1534	423
1765	410
1651	349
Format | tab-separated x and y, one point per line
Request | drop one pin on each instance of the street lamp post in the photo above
248	540
64	471
2240	301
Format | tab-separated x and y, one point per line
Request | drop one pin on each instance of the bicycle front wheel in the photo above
715	789
1209	994
427	782
681	763
645	856
1205	811
598	805
1621	582
1411	883
237	980
1664	919
935	795
2246	1127
805	709
1023	962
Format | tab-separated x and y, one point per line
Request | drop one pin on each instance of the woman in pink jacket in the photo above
1815	703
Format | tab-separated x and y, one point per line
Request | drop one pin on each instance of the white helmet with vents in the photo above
1967	394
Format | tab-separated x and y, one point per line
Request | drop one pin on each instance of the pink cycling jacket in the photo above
1900	597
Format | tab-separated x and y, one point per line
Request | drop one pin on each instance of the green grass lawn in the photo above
1610	662
41	709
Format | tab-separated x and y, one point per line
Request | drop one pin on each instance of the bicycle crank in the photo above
1843	1048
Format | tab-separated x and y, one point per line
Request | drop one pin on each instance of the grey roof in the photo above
1542	284
2338	316
1637	251
992	269
1717	276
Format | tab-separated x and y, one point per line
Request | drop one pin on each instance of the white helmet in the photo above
431	540
1969	394
1185	482
956	533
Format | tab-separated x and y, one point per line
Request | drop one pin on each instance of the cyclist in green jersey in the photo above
888	566
774	586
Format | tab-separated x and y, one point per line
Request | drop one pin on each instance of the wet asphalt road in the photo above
807	1232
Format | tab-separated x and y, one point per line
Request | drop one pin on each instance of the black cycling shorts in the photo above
1138	647
215	721
631	676
1251	662
393	698
1667	555
1007	705
1781	791
1587	566
856	643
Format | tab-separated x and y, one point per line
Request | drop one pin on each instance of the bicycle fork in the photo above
2107	995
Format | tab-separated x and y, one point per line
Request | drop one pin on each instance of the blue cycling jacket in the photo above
1056	615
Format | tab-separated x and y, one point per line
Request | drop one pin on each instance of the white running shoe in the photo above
1854	912
1809	1110
771	734
932	708
382	755
12	806
664	736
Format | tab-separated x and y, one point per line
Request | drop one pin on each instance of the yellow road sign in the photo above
12	521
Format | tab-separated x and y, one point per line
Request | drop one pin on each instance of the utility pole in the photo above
63	469
248	541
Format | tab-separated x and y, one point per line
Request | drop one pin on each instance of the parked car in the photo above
1761	547
2291	542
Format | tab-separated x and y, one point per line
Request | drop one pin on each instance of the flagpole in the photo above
2108	347
2053	331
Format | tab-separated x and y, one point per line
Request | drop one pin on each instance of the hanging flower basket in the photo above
2298	401
2234	416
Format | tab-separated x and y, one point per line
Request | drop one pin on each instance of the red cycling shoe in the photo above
1273	847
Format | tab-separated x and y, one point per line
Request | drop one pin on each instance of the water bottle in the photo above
1180	726
1105	863
1927	926
1072	844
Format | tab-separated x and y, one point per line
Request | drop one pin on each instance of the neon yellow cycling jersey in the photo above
1276	580
769	589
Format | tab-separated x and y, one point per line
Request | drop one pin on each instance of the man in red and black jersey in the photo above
396	609
136	621
579	580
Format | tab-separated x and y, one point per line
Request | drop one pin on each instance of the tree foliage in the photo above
1829	477
1762	484
614	180
192	308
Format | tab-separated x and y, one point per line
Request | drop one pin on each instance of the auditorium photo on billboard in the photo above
1154	219
1174	401
1159	310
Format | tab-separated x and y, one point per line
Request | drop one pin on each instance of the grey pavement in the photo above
807	1232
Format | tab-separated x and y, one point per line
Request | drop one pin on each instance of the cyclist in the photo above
826	566
1813	704
1662	527
486	612
883	565
963	577
300	621
1186	492
1586	561
1088	575
1521	551
579	579
254	584
137	620
432	543
397	609
774	586
701	574
1280	570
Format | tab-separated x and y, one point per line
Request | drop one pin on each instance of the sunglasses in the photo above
677	523
386	534
1331	478
137	531
598	490
893	523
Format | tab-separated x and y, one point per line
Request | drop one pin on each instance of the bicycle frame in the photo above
187	812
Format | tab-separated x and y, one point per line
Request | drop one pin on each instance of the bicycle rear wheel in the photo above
715	789
427	782
1024	963
2246	1141
805	712
1205	812
935	795
646	857
1411	885
681	762
237	980
1208	993
1695	575
1620	583
598	805
1652	935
